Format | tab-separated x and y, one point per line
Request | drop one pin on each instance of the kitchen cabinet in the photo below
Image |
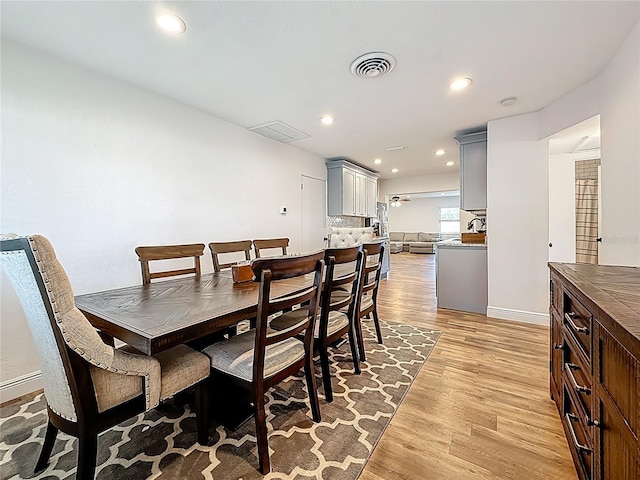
351	190
595	366
473	171
461	276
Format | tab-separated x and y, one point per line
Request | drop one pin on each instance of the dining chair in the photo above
218	248
265	244
89	385
169	252
338	304
368	298
260	358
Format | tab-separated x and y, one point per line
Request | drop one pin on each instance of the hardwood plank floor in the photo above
480	407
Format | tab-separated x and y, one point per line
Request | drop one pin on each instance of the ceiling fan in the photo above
396	200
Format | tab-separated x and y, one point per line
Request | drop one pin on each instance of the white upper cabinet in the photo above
372	197
351	190
473	171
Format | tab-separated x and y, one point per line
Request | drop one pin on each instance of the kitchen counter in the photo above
458	244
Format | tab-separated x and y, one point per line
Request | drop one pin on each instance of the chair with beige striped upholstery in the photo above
260	358
89	385
338	305
368	298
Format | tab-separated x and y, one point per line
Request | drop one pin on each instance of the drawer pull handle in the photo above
570	418
568	367
557	346
569	318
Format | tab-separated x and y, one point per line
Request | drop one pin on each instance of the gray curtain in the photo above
586	221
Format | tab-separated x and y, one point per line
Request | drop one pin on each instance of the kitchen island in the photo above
461	276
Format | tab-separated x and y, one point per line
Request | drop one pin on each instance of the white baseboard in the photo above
518	315
16	387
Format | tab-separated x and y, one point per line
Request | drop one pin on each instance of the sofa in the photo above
413	242
349	236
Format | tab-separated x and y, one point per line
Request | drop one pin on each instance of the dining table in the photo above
161	315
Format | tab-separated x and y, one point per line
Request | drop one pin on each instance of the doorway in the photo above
574	218
314	213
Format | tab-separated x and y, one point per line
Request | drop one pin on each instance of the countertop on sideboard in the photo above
614	293
459	244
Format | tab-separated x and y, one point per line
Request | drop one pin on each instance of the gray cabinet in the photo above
461	277
473	171
351	190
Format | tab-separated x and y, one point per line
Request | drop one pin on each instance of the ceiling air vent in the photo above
374	64
279	132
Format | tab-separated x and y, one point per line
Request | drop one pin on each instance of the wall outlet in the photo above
283	210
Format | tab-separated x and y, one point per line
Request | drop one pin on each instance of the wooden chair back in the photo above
372	268
341	285
218	248
369	287
268	270
264	244
168	252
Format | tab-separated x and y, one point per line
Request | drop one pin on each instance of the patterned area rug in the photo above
161	444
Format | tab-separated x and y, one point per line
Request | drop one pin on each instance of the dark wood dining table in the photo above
155	317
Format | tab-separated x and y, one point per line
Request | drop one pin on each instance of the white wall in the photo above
99	167
517	219
518	211
621	156
420	214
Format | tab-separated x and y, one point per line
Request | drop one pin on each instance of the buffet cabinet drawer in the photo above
577	377
579	323
595	374
578	436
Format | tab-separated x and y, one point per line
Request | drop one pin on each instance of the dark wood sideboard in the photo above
595	366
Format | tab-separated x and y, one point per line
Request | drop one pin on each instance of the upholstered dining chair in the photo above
89	385
368	298
169	252
218	248
338	305
261	358
265	244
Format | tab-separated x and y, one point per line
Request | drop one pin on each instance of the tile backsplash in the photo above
342	221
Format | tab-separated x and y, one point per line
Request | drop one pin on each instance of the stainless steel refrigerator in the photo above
380	222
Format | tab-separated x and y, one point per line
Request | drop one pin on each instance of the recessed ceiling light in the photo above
394	170
170	23
377	161
440	152
460	84
449	163
327	119
507	102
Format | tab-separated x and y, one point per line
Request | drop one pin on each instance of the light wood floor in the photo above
480	407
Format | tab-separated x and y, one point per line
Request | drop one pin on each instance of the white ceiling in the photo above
256	62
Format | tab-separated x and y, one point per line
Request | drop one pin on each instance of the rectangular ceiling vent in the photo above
279	132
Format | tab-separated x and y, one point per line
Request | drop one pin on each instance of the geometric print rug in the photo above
161	443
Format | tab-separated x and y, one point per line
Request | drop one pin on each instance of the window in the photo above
449	219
